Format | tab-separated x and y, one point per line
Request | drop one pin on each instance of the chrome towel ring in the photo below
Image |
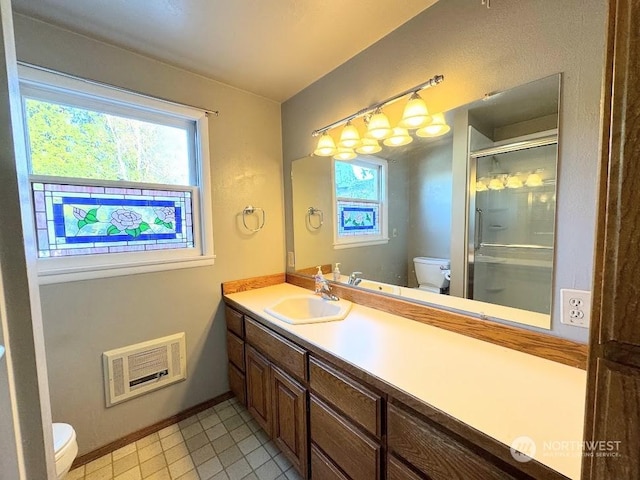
250	210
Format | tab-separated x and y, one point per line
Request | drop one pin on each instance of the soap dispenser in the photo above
336	273
319	279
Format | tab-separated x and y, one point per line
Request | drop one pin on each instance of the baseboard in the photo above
132	437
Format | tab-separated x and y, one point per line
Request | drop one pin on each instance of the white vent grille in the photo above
138	369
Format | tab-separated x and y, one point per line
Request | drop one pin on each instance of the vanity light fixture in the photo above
326	146
350	137
496	184
437	127
534	179
399	136
369	146
416	116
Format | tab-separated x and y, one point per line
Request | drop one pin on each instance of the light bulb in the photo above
481	186
369	146
350	137
437	127
326	146
534	180
496	184
514	181
415	113
345	154
379	127
400	136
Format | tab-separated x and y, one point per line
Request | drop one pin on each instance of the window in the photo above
360	206
119	181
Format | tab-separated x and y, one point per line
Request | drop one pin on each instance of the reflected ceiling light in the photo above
437	127
514	181
345	154
415	113
399	136
496	184
350	137
534	180
326	146
369	146
379	127
481	185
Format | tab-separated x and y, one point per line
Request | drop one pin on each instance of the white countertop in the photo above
501	392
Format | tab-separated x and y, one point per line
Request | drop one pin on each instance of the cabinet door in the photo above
258	388
289	426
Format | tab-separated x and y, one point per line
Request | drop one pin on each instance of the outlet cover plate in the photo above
576	307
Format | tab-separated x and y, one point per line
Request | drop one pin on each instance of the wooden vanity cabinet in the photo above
235	352
276	399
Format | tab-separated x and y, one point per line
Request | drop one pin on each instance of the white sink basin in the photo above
309	309
379	287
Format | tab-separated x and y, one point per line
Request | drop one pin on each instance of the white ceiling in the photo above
274	48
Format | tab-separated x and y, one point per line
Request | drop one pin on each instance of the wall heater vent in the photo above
138	369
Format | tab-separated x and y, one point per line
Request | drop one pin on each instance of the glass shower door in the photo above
511	234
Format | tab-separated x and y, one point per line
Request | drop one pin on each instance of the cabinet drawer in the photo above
434	453
234	321
235	350
322	468
285	354
352	451
354	400
397	471
237	384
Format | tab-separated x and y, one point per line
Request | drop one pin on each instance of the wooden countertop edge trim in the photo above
386	390
552	348
245	284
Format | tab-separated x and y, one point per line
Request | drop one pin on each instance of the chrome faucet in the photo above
354	278
325	291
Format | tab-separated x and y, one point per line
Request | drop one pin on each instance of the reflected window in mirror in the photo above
359	202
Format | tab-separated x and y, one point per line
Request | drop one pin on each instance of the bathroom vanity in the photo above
379	396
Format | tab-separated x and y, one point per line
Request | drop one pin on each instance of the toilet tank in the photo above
429	273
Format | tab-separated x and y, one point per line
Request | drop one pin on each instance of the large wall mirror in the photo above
393	215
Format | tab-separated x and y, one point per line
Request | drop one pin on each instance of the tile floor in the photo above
221	443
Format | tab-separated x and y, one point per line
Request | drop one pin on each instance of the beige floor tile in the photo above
152	465
216	432
150	451
105	473
210	421
98	463
234	422
124	451
191	430
171	440
258	457
192	475
292	474
230	456
282	462
160	475
238	470
188	421
240	433
180	467
205	413
165	432
76	474
248	444
176	453
227	413
125	463
202	454
268	471
148	440
222	443
132	474
197	441
210	468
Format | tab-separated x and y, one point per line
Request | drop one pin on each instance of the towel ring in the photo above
312	211
250	210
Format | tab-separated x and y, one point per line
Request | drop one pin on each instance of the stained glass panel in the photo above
76	220
358	218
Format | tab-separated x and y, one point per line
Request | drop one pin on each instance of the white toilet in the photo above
65	446
432	273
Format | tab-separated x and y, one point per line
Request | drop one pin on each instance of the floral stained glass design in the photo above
358	218
87	220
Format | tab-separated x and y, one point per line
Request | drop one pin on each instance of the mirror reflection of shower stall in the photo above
512	218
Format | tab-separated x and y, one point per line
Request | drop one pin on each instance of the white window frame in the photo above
84	267
383	177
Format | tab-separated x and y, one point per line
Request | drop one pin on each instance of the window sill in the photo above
379	241
74	274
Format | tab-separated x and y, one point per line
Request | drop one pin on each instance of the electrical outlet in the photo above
576	307
291	260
